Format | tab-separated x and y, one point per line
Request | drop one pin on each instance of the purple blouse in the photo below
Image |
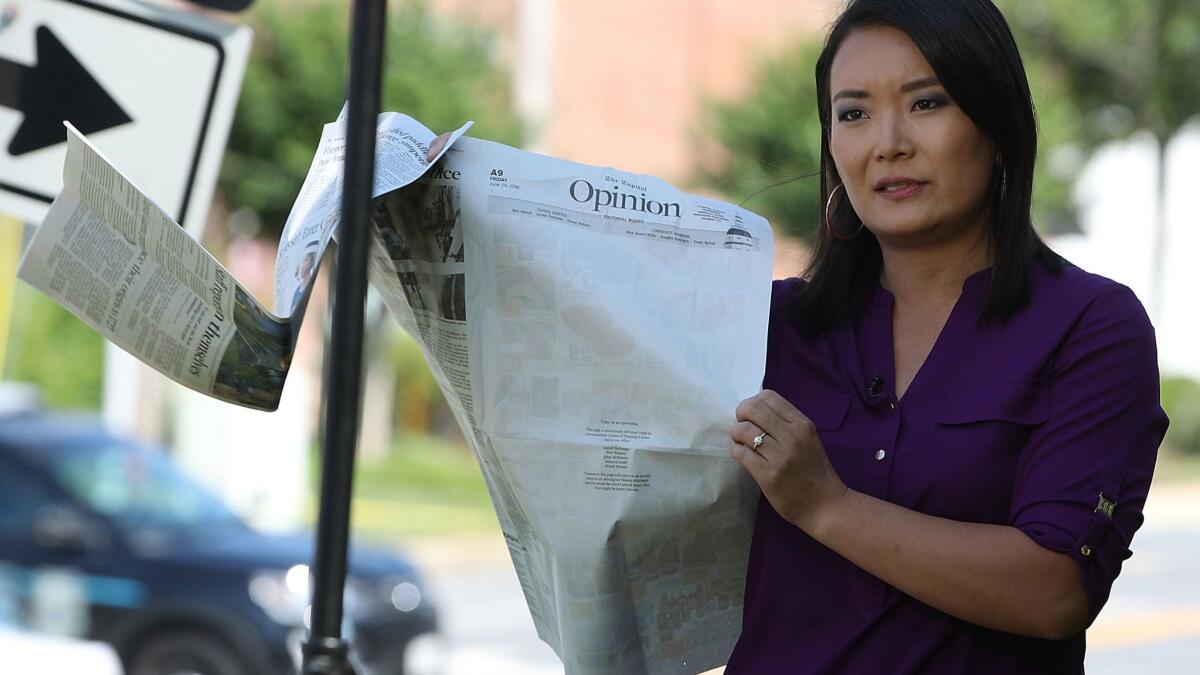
1049	423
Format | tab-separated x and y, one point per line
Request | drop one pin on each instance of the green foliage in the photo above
1181	401
770	137
1098	72
440	72
424	486
55	351
1061	152
1101	71
425	467
417	392
773	135
1124	64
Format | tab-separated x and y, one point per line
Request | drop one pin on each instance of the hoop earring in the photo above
829	221
1003	177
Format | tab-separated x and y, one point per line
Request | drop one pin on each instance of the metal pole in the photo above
325	652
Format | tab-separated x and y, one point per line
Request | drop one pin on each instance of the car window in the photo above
22	495
138	487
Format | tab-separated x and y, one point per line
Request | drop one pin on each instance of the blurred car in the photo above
106	539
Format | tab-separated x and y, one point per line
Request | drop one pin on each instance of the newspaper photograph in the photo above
593	331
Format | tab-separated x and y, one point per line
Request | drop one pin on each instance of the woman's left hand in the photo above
790	466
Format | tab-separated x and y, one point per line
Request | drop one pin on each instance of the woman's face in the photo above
916	168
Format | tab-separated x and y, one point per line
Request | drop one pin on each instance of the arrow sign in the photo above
57	88
154	86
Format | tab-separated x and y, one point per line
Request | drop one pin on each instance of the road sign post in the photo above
11	230
325	652
154	88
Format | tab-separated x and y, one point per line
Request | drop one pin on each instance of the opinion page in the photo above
594	331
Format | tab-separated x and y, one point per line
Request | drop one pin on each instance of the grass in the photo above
396	520
423	467
422	487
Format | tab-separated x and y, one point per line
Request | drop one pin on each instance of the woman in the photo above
958	428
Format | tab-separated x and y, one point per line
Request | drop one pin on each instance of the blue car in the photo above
105	539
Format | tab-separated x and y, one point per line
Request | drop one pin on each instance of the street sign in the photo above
154	88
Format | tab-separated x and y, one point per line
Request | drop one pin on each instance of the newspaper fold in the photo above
592	329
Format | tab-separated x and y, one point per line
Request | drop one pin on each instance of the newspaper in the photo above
592	329
116	260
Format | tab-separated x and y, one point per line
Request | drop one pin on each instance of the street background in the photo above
715	96
1150	625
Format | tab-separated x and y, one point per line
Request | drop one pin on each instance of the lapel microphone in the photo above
875	385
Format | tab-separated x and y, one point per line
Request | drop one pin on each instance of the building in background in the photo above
622	83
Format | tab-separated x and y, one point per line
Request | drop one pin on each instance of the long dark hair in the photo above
972	51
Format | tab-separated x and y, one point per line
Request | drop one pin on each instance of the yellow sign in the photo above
11	230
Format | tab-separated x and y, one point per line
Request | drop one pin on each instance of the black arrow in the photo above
57	88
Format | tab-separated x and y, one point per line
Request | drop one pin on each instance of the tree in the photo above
1126	66
767	140
54	350
441	72
769	144
1099	72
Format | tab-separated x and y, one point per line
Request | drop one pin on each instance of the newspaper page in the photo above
112	257
402	146
594	331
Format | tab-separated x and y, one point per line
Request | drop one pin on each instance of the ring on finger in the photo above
758	441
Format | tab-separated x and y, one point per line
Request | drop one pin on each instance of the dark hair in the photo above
972	51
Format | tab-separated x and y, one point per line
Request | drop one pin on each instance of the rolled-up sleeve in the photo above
1082	479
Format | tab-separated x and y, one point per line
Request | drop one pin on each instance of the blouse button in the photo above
891	405
880	454
1085	550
